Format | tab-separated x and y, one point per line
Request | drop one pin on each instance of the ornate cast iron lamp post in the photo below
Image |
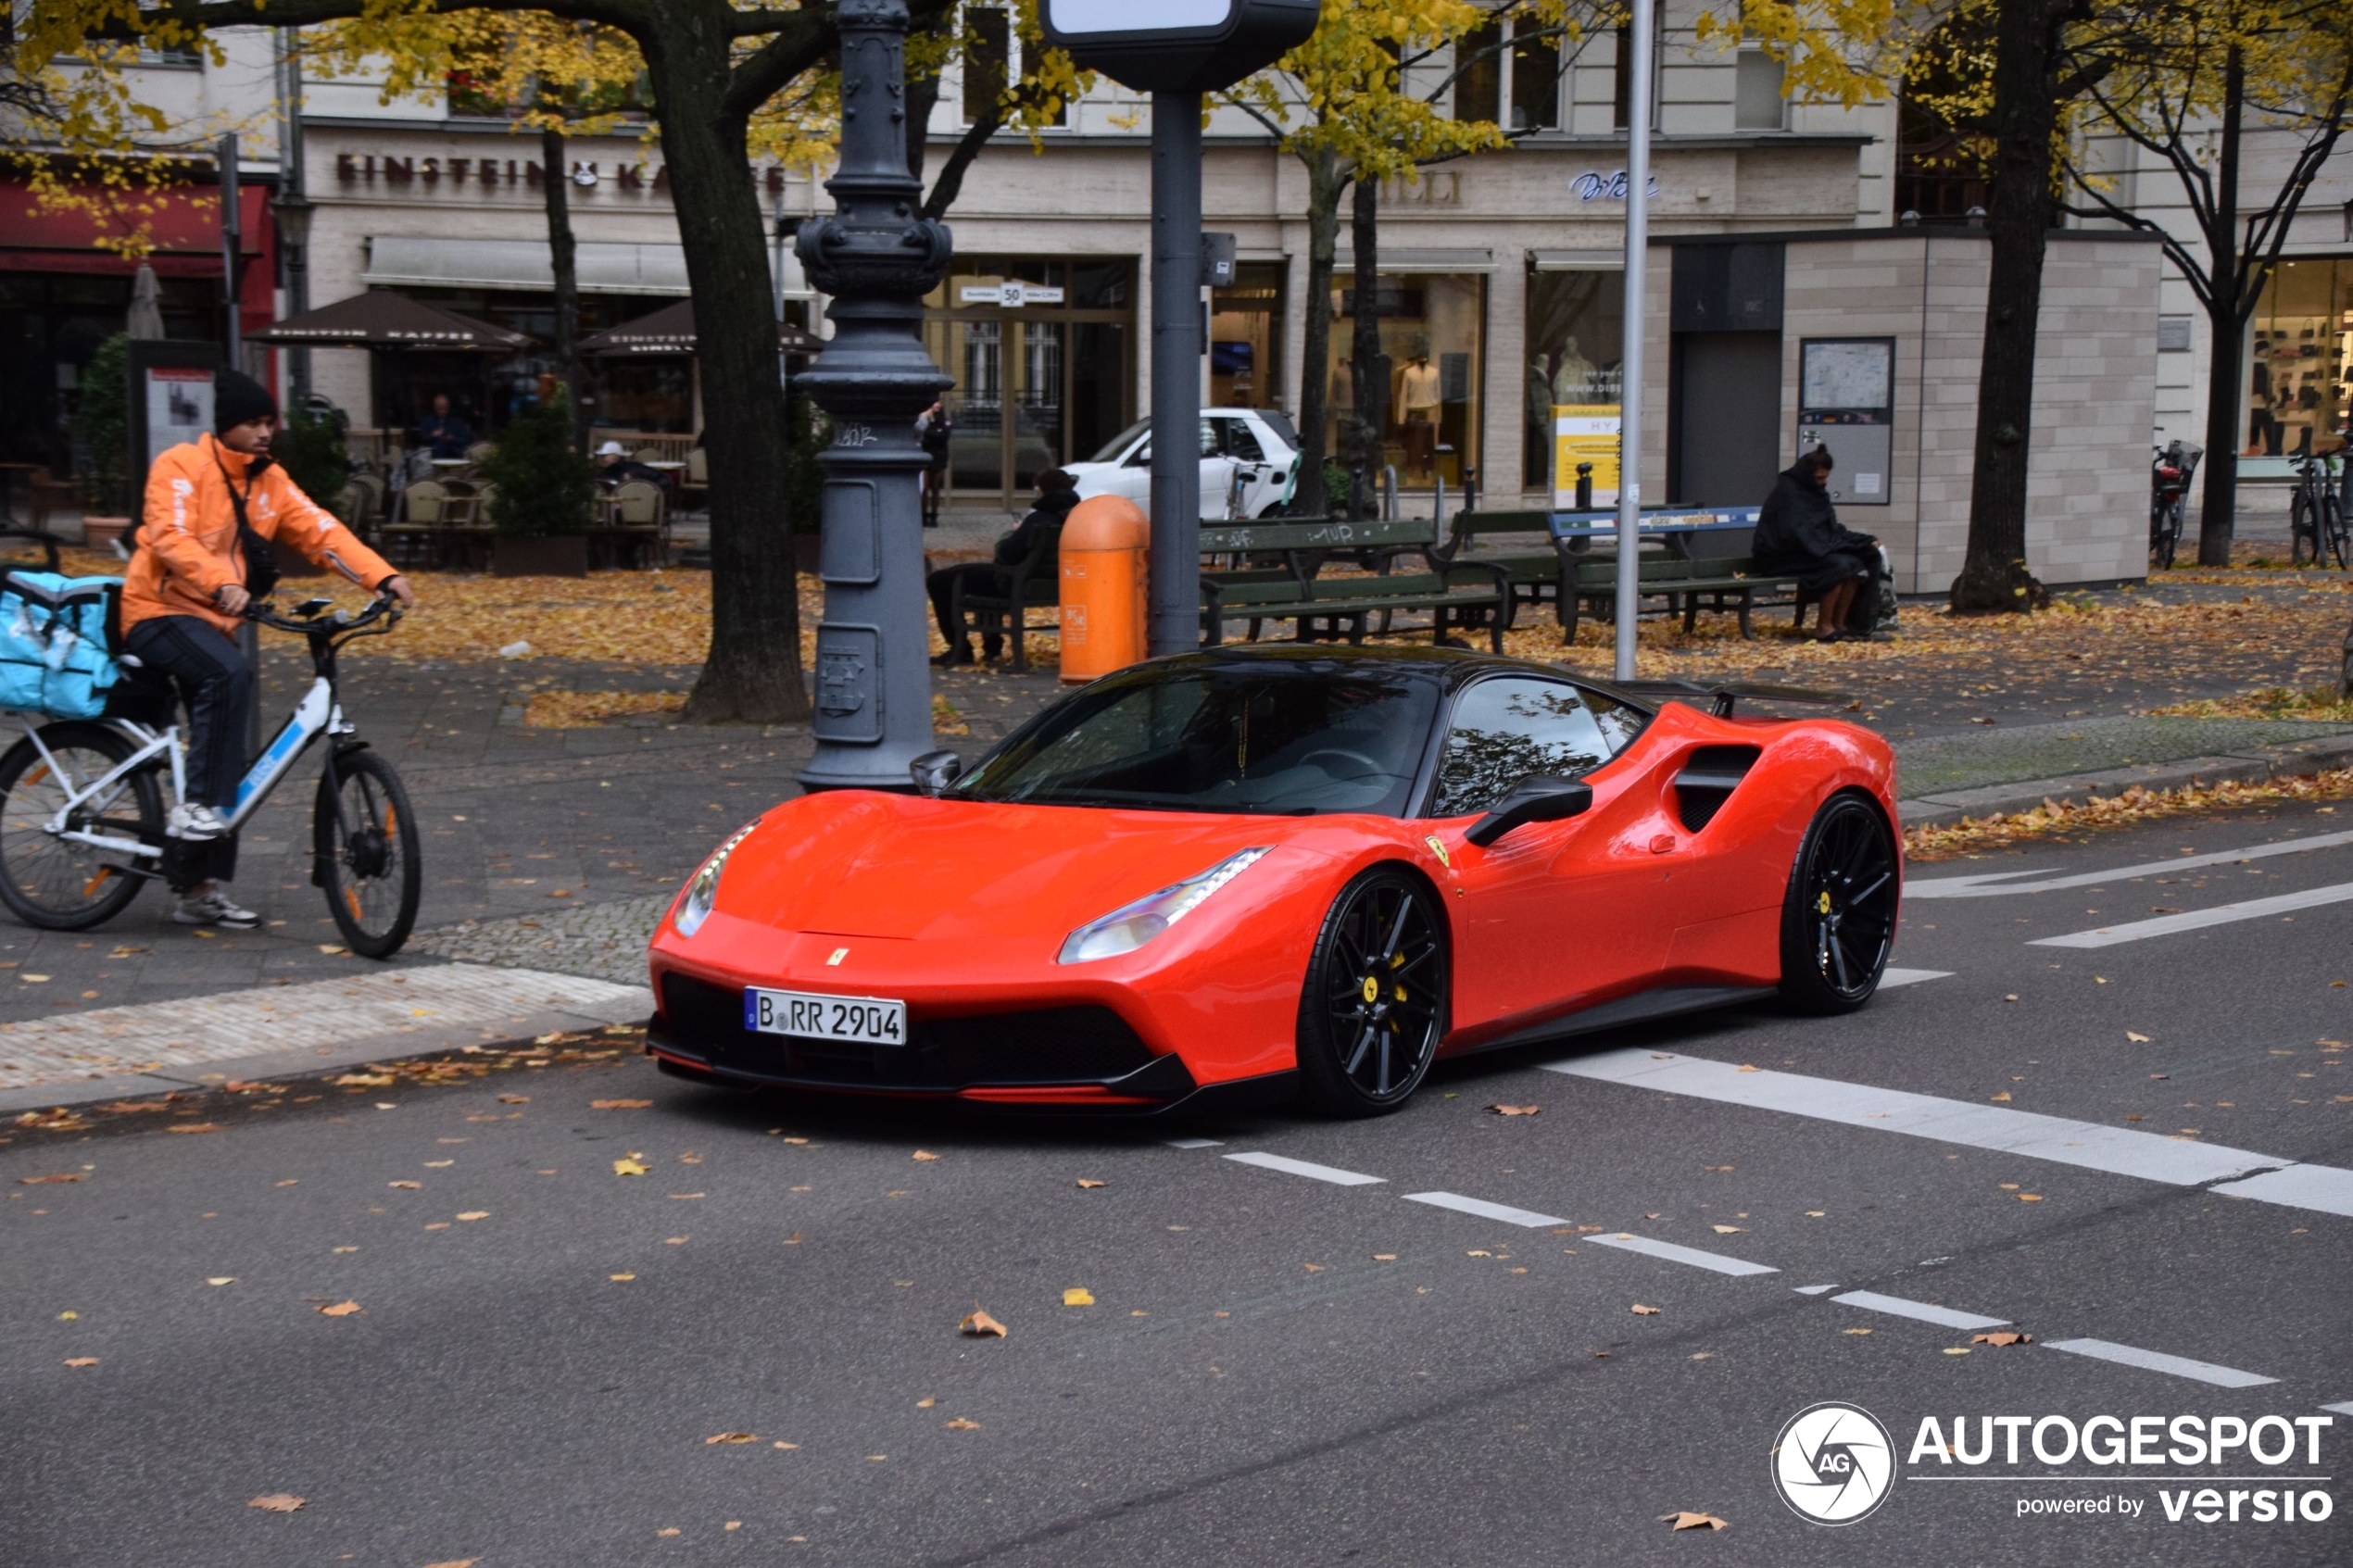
878	256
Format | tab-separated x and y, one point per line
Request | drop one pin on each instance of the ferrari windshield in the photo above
1276	739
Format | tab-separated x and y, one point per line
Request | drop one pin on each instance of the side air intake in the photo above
1709	778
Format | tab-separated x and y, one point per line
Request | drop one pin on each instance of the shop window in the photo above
1432	338
1246	337
2300	382
1576	343
1536	76
1758	104
1478	73
988	53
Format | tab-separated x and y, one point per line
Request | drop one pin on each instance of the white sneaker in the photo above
195	823
214	908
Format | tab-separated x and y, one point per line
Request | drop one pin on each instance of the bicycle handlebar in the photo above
261	612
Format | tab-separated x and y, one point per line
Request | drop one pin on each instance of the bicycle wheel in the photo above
2169	532
54	882
2334	528
2304	532
367	860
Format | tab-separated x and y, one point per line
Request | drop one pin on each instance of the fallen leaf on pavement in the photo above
979	1324
621	1276
406	1187
475	1214
1082	1182
340	1310
364	1080
1079	1296
1384	1257
926	1401
439	1164
614	1104
784	1444
926	1154
2029	1198
84	1361
629	1165
2004	1094
960	1425
731	1437
76	1175
1517	1109
687	1197
197	1127
671	1530
277	1502
1643	1312
455	1562
1956	1350
2137	1039
220	1279
2004	1336
330	948
1725	1230
514	1099
1684	1519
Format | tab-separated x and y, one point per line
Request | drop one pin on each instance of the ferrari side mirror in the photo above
934	770
1537	800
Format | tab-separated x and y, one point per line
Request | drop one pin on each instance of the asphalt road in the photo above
1275	1367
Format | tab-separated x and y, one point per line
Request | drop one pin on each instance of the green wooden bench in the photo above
1724	583
1460	595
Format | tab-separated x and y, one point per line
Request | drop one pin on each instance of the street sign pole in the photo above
232	264
1630	397
1175	620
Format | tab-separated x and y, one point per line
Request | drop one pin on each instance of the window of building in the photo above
1246	337
1509	729
1434	343
1478	73
1758	104
1622	80
988	55
1576	340
2300	383
1536	76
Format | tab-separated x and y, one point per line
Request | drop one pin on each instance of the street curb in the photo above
2255	765
278	1064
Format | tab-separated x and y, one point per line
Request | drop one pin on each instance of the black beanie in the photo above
237	397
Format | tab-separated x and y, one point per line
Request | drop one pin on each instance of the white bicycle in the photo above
83	801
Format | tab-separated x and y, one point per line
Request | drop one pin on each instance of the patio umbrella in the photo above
670	329
146	317
381	319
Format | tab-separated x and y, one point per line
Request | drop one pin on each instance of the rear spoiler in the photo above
1720	695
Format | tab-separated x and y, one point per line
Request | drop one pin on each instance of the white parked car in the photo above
1249	459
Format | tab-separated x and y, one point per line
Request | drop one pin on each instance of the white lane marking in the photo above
1715	1262
2118	1151
1891	978
1194	1143
1814	1289
1331	1174
2322	1188
1485	1210
1897	1307
2003	881
2342	1408
2157	1361
2222	914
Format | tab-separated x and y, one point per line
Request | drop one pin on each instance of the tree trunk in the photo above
1368	369
1323	186
754	670
2218	511
564	255
1994	574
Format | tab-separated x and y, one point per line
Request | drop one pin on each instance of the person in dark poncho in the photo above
1798	535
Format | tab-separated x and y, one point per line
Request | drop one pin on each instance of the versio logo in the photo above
1833	1464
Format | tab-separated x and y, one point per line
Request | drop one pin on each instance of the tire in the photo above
2169	532
1838	918
2304	532
1366	1057
373	876
54	884
2335	527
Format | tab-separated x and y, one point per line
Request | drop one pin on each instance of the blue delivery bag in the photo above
56	655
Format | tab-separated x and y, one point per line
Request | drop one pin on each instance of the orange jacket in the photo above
188	534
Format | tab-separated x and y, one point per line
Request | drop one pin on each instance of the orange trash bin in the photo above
1104	545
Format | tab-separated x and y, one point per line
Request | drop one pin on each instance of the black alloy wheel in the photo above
1838	920
368	856
1374	1006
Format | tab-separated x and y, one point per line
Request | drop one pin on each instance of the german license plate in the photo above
868	1020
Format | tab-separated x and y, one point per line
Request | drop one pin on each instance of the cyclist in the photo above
186	589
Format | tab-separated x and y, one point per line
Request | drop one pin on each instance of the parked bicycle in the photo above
83	801
2169	494
2318	524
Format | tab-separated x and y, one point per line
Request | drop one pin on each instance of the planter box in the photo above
99	532
555	554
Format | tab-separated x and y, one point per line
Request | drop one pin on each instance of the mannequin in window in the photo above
1573	380
1417	396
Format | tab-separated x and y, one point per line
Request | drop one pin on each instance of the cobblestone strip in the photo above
601	941
245	1024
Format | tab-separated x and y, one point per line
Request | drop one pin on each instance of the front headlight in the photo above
1127	928
703	891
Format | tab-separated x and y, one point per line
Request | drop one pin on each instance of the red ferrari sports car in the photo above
1274	871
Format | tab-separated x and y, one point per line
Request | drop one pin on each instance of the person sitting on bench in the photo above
1057	493
1798	535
